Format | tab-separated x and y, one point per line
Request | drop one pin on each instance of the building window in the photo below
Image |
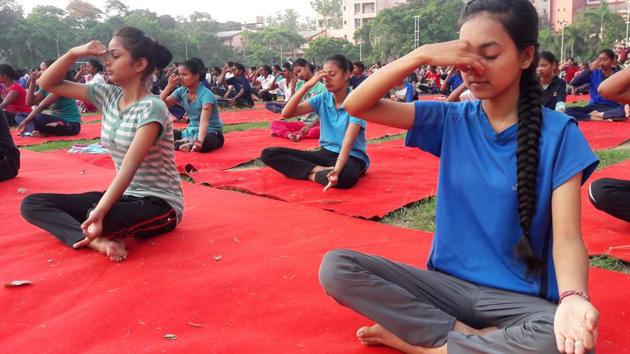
357	23
357	9
368	8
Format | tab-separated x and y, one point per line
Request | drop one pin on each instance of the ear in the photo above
141	64
527	57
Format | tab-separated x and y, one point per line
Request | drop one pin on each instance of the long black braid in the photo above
520	19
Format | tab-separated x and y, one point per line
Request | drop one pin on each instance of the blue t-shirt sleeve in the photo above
358	121
574	156
316	102
178	93
207	98
428	126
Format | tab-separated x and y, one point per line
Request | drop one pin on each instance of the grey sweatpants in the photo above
421	306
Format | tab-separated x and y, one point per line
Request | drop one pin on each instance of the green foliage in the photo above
391	34
321	48
265	46
30	39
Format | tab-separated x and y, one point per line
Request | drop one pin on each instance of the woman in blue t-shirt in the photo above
342	158
64	118
205	129
508	268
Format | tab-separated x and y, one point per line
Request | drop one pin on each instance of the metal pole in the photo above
280	53
57	42
562	45
186	46
361	50
627	20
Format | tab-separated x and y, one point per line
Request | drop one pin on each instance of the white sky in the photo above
221	10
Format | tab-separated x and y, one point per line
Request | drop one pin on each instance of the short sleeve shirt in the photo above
333	125
65	108
19	105
319	88
157	175
477	220
554	93
194	109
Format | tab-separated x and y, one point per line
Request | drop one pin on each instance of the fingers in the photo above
560	340
592	318
328	186
569	346
579	347
85	242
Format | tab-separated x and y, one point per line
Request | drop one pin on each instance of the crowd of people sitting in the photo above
496	72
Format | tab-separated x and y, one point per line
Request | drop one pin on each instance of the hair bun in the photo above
163	56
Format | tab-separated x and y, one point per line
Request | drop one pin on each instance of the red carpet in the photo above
261	296
88	131
577	98
605	135
398	176
603	233
91	118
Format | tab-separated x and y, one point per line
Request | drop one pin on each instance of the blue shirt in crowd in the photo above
239	83
194	108
595	78
355	81
477	220
333	125
454	82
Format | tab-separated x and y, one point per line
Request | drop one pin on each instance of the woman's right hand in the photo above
92	48
459	53
173	80
316	78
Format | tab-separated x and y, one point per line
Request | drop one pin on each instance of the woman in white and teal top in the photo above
205	129
145	197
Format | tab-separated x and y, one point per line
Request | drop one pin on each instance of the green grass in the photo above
386	138
249	164
245	126
610	263
56	145
578	104
419	215
612	156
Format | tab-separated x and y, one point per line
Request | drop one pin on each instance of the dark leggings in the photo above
213	141
42	122
297	164
9	154
63	214
611	196
584	113
9	117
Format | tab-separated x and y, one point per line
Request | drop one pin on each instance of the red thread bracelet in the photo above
568	293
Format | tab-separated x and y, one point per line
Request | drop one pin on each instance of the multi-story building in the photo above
355	14
562	12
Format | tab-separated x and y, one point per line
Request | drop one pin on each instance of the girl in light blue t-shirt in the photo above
205	129
508	269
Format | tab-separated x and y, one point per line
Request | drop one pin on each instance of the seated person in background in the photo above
570	69
92	72
14	98
307	127
252	73
358	74
431	81
240	92
283	87
262	84
64	118
204	81
205	129
24	77
554	88
403	92
9	154
452	82
598	107
611	196
342	159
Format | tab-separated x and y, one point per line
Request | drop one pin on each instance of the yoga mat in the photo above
605	135
398	176
88	131
243	146
261	295
249	285
577	98
603	233
91	118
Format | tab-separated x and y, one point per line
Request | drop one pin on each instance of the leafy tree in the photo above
83	11
265	46
593	30
330	10
321	48
116	8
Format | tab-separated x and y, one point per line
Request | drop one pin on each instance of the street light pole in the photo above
627	20
57	42
562	44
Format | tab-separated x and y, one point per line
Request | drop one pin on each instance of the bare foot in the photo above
114	249
377	335
294	137
185	147
311	175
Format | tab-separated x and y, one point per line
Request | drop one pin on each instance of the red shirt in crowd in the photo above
19	105
435	77
571	70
